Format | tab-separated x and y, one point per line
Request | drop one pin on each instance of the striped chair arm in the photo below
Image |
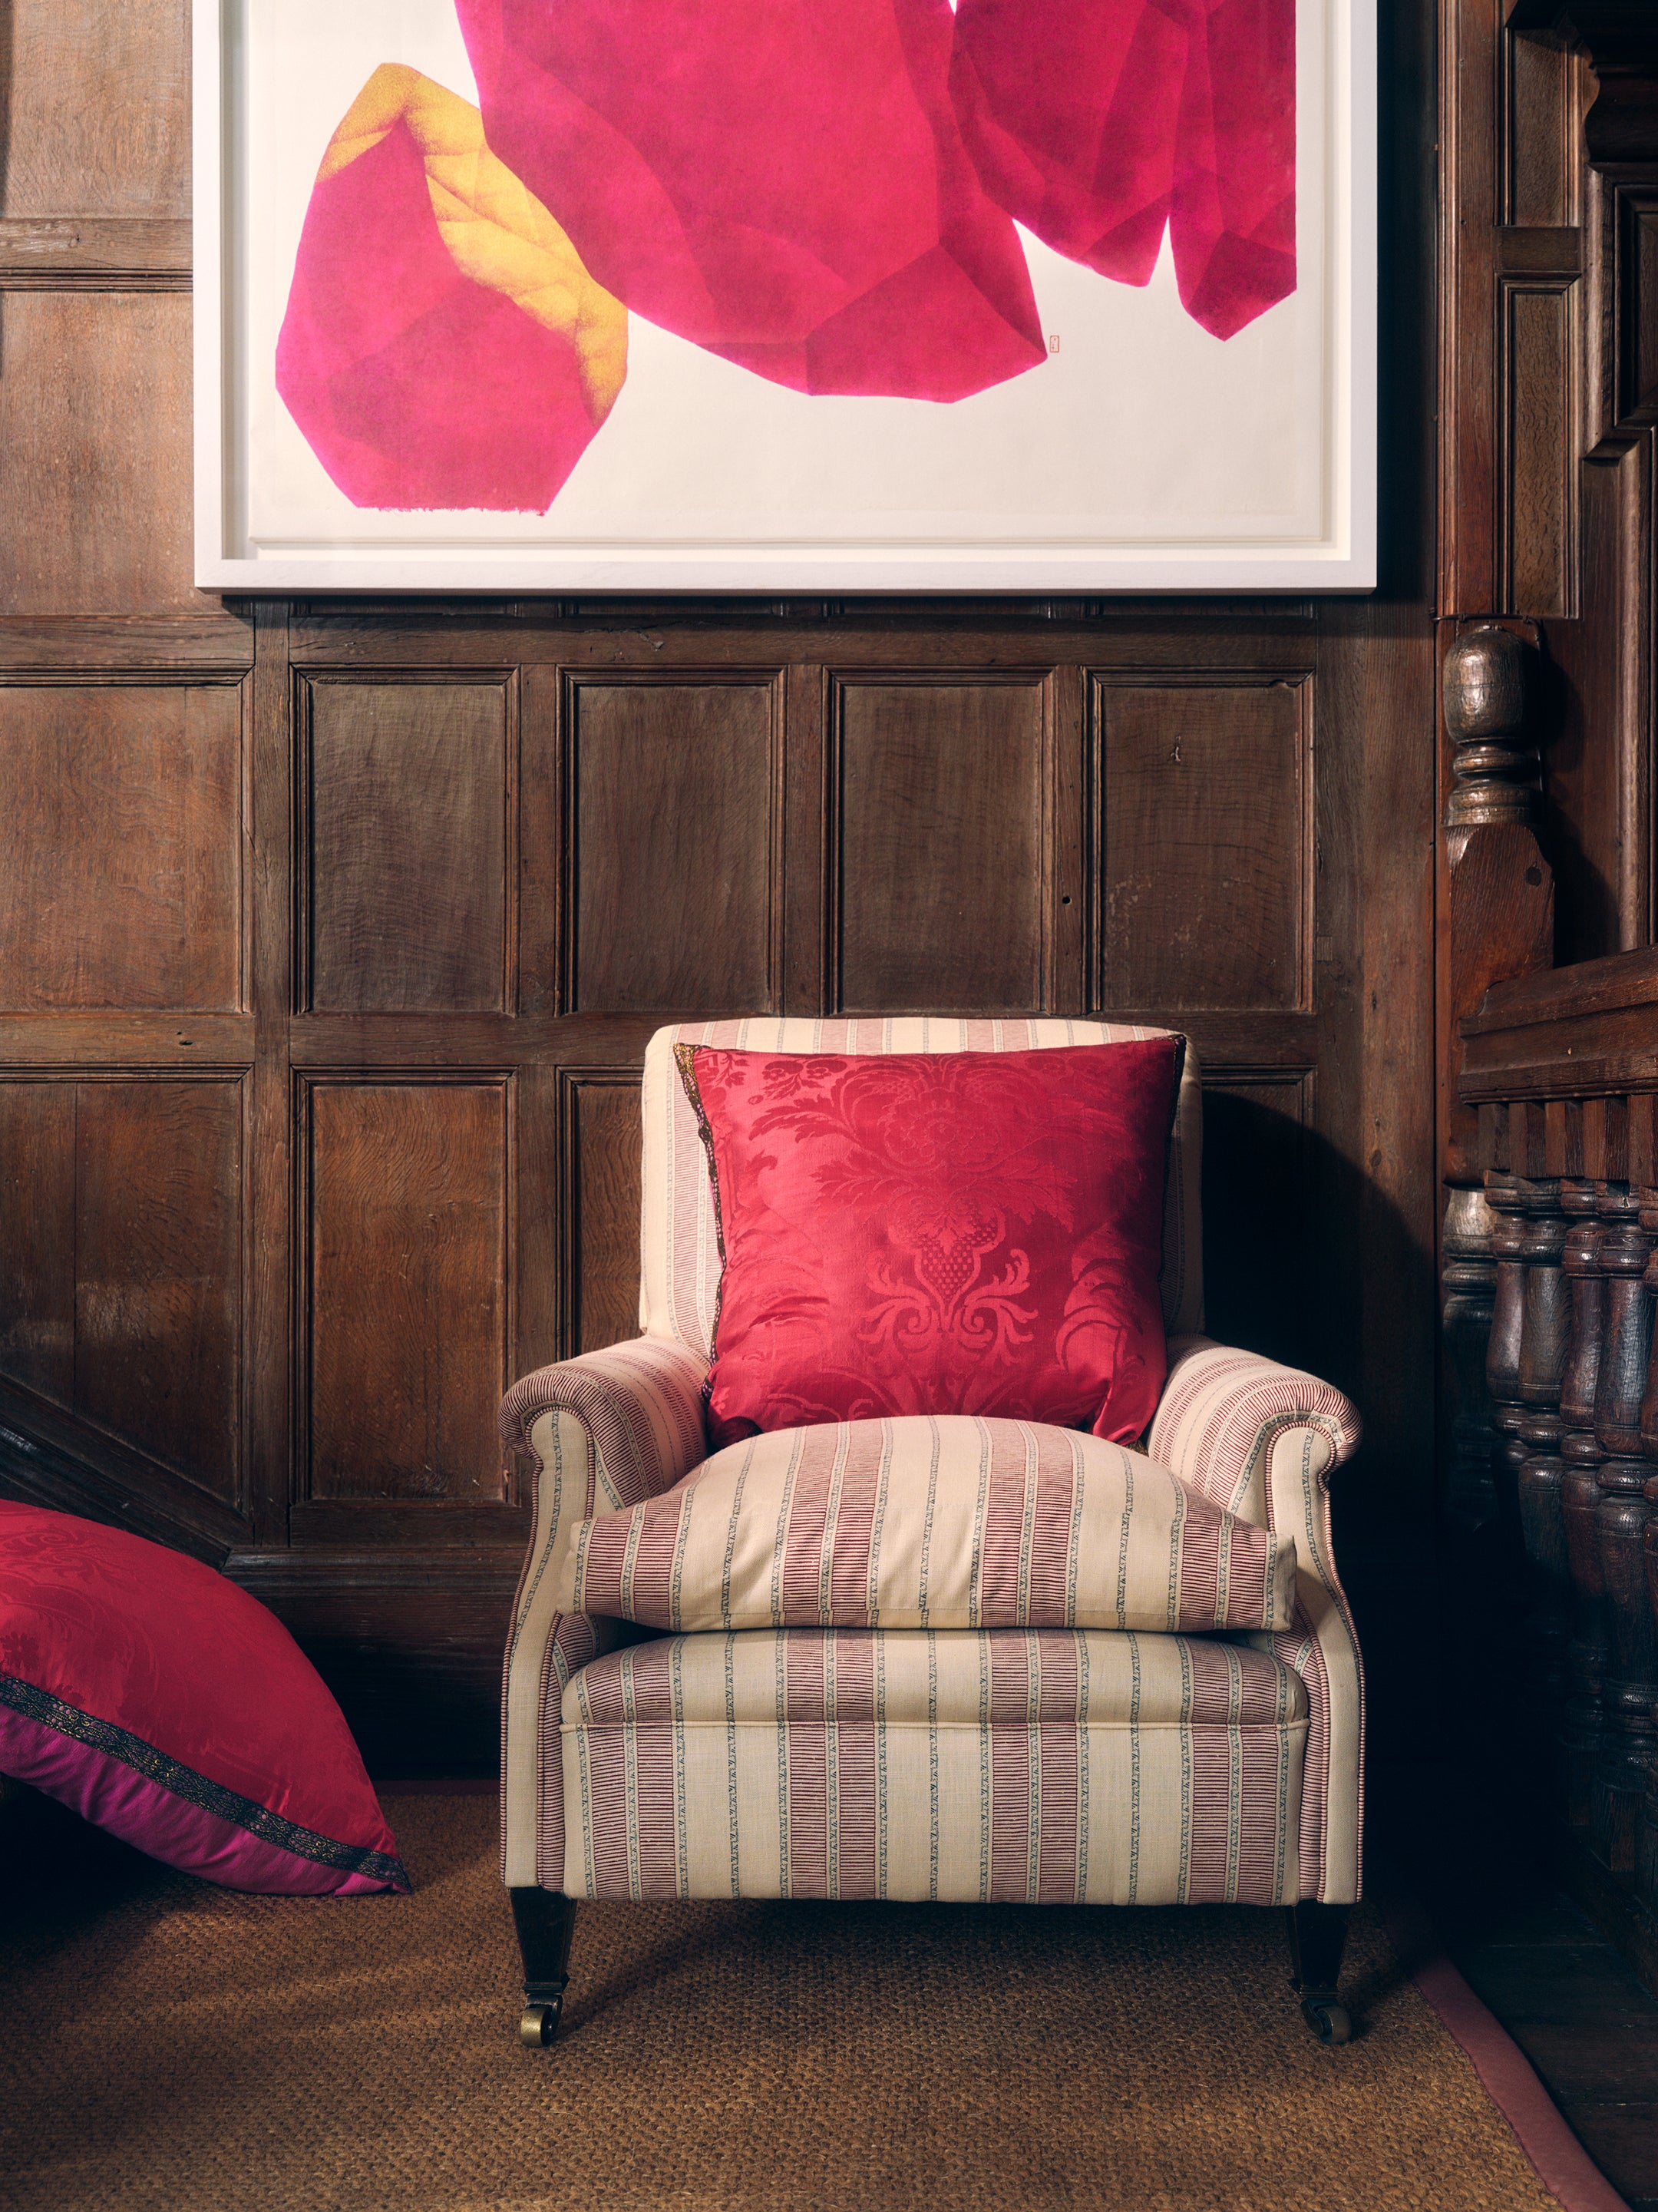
1264	1441
604	1430
1222	1412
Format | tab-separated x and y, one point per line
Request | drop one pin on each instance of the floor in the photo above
1583	2017
1587	2024
171	2047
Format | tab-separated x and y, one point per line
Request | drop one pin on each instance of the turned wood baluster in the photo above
1580	1497
1470	1287
1507	1592
1643	1180
1632	1681
1545	1317
1506	1195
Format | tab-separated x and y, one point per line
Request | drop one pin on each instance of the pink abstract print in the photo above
781	182
825	197
1101	126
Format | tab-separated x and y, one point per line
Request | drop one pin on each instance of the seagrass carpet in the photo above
165	2045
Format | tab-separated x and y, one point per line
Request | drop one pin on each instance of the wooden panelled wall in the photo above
330	936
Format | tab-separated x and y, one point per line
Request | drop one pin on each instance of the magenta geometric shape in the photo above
1100	123
415	387
782	182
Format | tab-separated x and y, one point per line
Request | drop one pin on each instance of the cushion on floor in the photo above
973	1232
158	1700
947	1522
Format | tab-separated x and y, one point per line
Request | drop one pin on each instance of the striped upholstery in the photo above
1047	1765
680	1274
930	1521
1264	1440
604	1430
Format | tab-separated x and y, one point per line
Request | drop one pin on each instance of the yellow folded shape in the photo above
497	232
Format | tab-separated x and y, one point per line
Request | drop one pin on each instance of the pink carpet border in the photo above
1562	2165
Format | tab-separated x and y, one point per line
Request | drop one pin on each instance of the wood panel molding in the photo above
406	1249
947	862
127	809
93	253
661	886
123	1292
407	842
600	1144
1201	842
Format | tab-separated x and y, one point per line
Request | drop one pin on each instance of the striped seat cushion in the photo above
1063	1676
1049	1765
929	1522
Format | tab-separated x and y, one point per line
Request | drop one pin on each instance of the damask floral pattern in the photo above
931	1233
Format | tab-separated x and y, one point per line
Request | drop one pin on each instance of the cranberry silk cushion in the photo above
157	1699
975	1232
944	1523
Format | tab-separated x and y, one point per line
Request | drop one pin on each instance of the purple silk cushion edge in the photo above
181	1818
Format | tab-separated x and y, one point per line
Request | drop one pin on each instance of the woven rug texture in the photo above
166	2045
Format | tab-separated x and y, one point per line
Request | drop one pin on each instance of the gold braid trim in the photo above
41	1705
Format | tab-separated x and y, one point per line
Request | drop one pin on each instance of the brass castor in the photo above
537	2025
542	1918
1329	2020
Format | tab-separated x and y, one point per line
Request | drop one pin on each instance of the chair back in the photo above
679	1252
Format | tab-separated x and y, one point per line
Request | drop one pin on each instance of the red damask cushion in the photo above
975	1232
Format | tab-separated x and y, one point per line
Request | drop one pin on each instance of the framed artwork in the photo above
773	295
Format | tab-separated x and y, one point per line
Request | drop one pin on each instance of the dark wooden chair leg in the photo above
1317	1936
544	1919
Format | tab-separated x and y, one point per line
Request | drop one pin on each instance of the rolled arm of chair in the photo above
1263	1441
606	1430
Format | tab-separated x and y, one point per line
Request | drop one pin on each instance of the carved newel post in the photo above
1494	763
1500	923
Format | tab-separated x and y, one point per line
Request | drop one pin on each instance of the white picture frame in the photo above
272	78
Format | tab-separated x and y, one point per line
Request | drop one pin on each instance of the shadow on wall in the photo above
1305	1261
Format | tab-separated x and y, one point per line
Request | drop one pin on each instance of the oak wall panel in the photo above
98	112
95	428
157	1243
674	796
1539	463
37	1245
409	822
601	1143
122	882
1204	878
942	891
1638	212
405	1286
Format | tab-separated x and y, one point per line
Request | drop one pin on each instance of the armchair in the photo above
1043	1764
